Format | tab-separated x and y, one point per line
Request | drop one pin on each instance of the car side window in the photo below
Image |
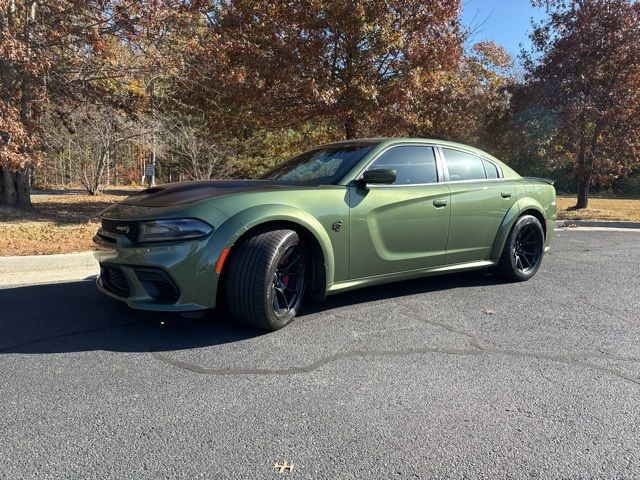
414	164
463	166
490	169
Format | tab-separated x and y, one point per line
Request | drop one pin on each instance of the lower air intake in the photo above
114	280
158	284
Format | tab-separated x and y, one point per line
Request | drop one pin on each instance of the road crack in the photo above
570	360
479	347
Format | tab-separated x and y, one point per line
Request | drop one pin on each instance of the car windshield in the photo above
321	166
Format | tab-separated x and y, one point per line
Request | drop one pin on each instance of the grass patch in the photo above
613	209
61	222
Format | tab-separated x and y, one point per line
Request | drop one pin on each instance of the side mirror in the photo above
380	176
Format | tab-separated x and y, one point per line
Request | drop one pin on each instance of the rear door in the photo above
480	199
402	226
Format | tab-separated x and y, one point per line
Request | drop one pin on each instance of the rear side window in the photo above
490	169
463	166
414	164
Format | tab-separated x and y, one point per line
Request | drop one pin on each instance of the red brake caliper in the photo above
285	279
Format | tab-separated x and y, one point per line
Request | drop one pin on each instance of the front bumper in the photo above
164	276
175	277
148	273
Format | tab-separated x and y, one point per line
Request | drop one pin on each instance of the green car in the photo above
335	218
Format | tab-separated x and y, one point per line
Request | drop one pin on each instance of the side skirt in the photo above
395	277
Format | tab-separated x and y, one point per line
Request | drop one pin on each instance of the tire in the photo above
523	251
266	278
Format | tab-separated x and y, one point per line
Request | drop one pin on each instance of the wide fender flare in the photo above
255	216
526	203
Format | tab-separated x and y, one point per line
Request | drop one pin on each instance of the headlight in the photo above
167	230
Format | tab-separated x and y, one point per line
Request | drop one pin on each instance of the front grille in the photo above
114	280
121	227
158	284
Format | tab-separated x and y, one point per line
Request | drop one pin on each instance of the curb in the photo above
596	223
45	263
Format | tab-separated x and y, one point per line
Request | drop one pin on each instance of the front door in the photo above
403	226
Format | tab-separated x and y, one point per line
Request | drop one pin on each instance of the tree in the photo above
465	102
59	54
282	63
584	76
194	149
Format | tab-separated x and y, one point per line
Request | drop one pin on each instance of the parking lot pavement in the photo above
449	377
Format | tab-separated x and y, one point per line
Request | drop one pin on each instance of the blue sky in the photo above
507	22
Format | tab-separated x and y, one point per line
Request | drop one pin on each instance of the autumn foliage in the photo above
588	80
94	88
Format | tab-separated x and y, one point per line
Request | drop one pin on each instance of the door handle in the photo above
506	194
440	203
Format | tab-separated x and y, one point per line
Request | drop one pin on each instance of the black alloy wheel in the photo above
523	251
528	248
288	281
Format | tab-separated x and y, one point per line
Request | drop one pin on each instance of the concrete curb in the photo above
46	263
596	223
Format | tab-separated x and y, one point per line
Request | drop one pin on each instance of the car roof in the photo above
385	141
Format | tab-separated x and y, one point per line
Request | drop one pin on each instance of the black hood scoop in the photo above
189	192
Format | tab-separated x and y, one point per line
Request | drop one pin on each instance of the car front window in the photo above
321	166
414	165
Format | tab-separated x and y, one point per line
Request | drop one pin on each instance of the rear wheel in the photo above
266	278
523	250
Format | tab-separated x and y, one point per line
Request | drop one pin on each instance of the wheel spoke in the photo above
286	268
526	235
519	262
280	292
275	301
288	281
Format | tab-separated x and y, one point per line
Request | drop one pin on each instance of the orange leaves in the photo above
284	62
16	145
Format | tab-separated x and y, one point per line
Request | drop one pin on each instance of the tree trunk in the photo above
350	127
583	176
583	191
97	180
586	168
14	188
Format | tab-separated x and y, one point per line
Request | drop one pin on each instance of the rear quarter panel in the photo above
531	195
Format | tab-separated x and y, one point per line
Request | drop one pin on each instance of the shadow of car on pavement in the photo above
76	317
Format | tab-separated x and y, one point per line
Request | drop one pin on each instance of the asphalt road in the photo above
452	377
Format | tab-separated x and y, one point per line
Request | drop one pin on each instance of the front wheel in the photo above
267	278
523	250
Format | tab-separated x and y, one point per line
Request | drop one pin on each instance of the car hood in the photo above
188	192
